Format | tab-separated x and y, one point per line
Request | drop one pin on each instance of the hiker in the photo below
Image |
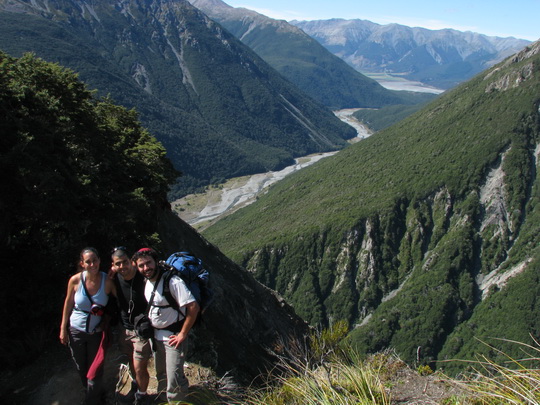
129	285
82	326
171	325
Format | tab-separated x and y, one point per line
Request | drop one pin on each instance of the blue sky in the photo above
516	18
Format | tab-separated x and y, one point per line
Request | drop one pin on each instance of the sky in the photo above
502	18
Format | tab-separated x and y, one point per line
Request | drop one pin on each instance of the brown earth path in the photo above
53	380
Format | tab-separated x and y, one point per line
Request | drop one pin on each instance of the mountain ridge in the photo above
301	59
441	58
195	86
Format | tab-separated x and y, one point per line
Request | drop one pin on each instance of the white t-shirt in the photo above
162	315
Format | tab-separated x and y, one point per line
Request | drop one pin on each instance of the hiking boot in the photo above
142	399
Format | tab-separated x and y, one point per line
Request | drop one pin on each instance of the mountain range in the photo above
439	58
218	108
424	237
301	59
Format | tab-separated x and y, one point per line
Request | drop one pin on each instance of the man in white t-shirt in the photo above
171	321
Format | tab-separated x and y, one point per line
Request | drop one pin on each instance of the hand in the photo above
176	340
111	273
64	338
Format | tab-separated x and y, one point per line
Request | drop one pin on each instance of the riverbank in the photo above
394	82
203	209
346	115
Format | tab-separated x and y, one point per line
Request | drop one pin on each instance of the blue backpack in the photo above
190	269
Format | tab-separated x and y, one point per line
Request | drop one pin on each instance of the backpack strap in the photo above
167	275
153	294
83	281
167	290
176	326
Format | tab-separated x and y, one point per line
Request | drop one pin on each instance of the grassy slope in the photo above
390	179
452	143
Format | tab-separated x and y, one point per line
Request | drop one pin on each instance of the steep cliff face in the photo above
435	259
301	59
411	233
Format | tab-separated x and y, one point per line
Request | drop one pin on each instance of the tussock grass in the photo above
321	372
338	376
516	381
333	383
326	371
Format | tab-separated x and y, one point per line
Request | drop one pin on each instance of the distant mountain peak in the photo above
215	7
441	58
300	58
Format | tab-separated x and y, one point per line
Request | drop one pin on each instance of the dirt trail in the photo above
53	380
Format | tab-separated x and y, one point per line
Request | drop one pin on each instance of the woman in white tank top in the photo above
87	295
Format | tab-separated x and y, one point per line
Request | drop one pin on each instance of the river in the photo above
200	210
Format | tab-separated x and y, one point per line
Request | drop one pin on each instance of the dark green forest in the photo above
218	109
75	170
384	117
396	233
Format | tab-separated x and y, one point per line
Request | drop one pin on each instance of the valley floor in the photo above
201	210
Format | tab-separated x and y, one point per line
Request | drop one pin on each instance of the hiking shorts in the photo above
133	346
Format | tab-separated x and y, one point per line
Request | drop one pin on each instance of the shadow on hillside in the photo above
53	380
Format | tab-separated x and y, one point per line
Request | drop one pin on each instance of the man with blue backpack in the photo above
172	311
191	270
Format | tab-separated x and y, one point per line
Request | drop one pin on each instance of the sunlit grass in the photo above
334	383
344	378
516	381
322	373
325	371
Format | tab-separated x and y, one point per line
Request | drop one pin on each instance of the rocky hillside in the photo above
424	235
301	59
440	58
217	107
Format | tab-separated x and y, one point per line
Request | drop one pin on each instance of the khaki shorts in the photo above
133	346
